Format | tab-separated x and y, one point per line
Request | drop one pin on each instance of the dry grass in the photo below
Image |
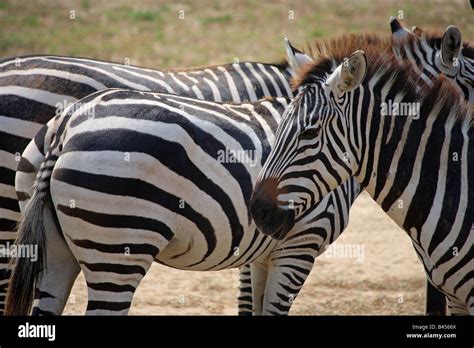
150	33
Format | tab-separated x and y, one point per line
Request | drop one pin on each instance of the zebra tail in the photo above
31	233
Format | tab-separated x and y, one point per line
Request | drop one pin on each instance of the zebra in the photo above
182	202
417	165
295	58
431	55
33	89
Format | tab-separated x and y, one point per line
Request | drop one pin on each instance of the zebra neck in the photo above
416	167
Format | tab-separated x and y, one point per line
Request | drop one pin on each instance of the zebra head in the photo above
304	164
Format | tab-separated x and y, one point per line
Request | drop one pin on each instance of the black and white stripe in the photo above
417	166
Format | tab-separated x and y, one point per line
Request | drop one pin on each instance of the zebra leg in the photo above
283	285
112	273
435	301
288	270
245	291
60	272
259	274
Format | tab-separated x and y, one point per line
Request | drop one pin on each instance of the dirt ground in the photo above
385	279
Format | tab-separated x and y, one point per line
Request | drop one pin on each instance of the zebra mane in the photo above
387	68
364	41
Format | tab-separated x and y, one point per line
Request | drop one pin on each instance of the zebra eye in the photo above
309	133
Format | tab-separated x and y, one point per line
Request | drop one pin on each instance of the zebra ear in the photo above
398	30
296	58
349	74
450	45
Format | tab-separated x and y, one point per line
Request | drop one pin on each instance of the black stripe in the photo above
12	143
111	287
39	139
7	225
25	166
9	203
114	268
111	306
118	221
26	109
132	249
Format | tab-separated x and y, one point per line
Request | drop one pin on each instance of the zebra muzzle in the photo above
271	219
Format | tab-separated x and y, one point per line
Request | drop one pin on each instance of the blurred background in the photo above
190	33
388	279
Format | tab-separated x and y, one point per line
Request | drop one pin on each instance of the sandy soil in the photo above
388	279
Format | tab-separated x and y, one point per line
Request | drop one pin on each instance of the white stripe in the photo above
38	95
9	214
272	80
20	128
192	79
197	92
283	80
210	72
276	115
216	95
57	73
7	191
104	72
266	128
5	235
179	82
230	82
248	84
266	92
7	160
162	83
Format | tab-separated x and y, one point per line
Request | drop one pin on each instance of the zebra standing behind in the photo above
417	165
